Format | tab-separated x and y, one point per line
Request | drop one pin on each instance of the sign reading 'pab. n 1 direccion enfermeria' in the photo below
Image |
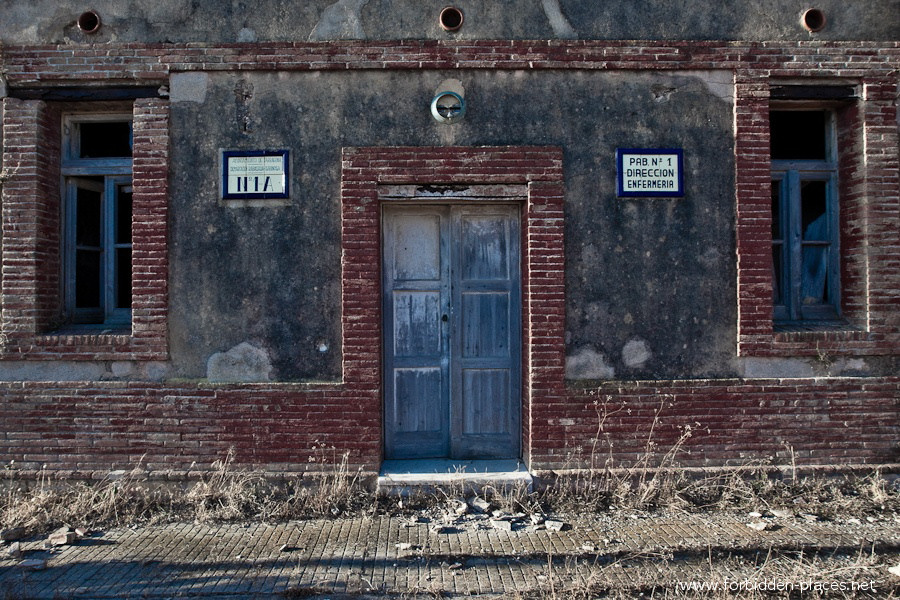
650	172
254	174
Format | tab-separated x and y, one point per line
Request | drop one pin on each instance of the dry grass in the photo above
656	481
225	494
754	576
653	482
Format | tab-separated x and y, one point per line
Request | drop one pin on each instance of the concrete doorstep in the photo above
467	550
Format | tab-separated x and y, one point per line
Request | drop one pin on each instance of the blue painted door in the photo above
452	318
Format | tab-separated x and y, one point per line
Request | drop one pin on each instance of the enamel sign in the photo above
650	172
254	174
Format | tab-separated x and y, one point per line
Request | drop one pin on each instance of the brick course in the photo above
89	428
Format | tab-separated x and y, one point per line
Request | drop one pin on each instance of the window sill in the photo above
80	343
812	326
817	331
92	330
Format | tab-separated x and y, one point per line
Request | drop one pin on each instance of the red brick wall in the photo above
30	212
91	427
839	421
30	281
870	219
150	63
543	287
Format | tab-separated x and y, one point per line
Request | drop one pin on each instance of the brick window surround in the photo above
31	296
869	205
543	263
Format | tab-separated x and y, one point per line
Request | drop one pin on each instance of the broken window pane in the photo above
798	134
104	139
123	278
123	215
87	278
814	281
814	210
88	218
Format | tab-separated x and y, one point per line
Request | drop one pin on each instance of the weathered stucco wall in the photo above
646	278
45	21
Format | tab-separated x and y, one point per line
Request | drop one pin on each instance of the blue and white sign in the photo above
650	172
255	174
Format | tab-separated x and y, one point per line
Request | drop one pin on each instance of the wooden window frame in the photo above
115	172
789	175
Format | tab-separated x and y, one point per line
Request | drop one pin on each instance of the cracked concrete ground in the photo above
411	556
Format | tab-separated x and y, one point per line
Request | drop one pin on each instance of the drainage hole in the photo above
451	18
89	22
813	19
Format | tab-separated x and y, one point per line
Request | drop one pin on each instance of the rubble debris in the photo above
479	504
554	525
15	550
502	524
12	534
62	538
809	517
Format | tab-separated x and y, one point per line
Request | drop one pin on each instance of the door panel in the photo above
485	325
485	339
416	296
417	325
481	413
416	253
485	251
452	325
413	411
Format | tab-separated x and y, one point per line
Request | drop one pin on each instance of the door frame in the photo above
539	170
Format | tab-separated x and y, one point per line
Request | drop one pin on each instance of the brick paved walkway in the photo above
469	556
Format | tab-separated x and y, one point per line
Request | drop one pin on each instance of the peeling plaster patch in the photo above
787	368
121	368
636	353
340	21
155	371
777	367
243	363
53	371
719	83
849	367
561	26
662	93
188	87
246	35
587	363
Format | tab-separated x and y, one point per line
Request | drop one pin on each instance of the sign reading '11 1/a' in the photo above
254	174
650	172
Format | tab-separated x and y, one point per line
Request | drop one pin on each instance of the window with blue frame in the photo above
805	227
97	216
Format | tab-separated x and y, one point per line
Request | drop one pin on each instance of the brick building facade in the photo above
631	318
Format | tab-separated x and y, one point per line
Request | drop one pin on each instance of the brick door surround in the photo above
363	170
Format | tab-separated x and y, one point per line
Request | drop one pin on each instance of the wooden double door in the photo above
452	294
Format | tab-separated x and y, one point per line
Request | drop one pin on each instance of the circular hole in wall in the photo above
89	22
451	18
813	19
